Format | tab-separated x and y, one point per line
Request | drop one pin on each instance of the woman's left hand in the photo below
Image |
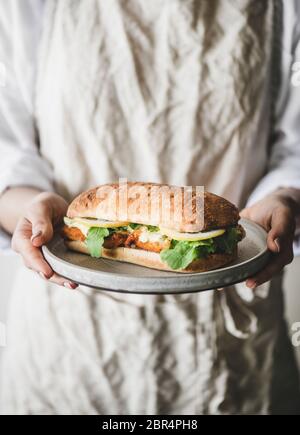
277	214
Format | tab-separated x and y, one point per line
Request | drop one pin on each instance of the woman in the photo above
184	92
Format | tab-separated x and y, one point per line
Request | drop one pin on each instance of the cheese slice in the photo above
84	224
190	237
99	223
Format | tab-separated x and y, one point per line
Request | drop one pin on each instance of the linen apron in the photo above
165	91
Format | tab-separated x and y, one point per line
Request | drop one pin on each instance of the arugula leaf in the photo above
133	226
152	229
116	229
95	240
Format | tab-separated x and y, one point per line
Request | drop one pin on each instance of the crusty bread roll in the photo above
100	204
152	259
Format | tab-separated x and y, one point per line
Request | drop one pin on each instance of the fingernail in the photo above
35	235
277	243
252	284
70	285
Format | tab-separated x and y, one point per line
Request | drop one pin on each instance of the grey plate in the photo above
128	278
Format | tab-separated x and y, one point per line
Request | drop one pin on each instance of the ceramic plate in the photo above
128	278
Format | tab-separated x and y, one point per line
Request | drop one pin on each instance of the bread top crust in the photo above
145	203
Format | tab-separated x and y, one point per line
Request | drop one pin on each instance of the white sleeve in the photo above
20	162
284	162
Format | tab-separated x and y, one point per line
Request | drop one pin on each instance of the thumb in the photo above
245	213
282	229
274	242
41	220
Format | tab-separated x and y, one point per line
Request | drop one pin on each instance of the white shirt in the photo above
21	163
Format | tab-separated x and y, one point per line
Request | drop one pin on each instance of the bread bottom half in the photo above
152	259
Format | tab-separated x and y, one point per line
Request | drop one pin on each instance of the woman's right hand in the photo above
34	229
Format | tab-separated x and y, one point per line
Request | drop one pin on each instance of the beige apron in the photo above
168	91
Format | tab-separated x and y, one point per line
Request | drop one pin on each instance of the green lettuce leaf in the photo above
95	240
152	229
182	253
228	241
118	229
133	226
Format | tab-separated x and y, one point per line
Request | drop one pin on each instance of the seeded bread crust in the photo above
218	212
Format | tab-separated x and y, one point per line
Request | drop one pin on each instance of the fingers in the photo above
282	246
278	219
36	229
282	229
275	266
41	222
280	243
60	280
32	257
245	213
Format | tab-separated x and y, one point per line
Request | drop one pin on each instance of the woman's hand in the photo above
277	215
34	229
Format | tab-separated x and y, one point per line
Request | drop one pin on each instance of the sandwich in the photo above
103	222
